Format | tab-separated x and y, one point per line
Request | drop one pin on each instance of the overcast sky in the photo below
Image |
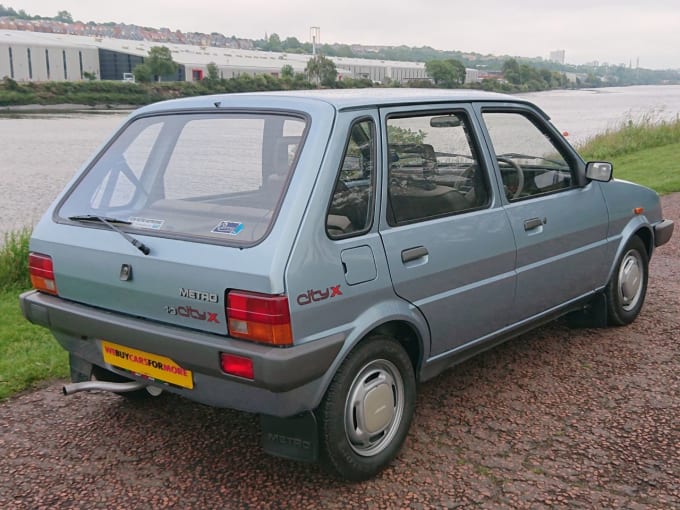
613	31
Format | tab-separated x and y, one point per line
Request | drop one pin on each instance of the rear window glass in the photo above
219	176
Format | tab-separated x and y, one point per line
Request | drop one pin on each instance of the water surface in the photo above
40	153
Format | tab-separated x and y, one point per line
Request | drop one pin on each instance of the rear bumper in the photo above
286	379
663	231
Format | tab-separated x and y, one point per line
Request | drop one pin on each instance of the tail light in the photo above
41	271
259	317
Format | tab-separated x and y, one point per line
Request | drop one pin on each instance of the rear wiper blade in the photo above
101	219
109	222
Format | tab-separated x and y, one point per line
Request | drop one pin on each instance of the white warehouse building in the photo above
38	56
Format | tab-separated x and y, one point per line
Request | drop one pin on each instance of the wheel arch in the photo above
405	325
647	237
407	336
639	229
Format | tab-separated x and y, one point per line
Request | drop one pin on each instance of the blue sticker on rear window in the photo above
228	227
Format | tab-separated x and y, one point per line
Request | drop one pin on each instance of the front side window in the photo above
529	161
218	176
350	211
433	168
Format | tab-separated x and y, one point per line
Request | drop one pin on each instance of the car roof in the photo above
339	99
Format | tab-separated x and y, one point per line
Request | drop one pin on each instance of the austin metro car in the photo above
312	256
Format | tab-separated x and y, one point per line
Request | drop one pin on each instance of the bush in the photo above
631	136
14	261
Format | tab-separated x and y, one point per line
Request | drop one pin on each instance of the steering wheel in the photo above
520	175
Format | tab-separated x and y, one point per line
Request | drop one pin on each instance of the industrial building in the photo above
38	56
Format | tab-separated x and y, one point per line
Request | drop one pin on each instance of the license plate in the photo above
147	364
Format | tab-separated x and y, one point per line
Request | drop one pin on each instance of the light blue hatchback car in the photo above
312	256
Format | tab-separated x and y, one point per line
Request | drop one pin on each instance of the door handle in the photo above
413	254
534	223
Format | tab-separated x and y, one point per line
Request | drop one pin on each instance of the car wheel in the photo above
628	285
367	410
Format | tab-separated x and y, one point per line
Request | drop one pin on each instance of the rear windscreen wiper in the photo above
109	222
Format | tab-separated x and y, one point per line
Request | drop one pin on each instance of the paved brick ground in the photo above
557	418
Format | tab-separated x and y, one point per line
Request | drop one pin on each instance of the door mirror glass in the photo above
599	171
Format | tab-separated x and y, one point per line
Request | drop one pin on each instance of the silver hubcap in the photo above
631	277
374	407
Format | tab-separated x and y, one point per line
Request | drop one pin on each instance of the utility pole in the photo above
315	36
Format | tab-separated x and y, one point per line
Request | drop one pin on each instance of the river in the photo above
39	153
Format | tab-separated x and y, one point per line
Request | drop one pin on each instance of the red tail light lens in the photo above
237	365
41	271
259	317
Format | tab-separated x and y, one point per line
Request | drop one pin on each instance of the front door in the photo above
560	227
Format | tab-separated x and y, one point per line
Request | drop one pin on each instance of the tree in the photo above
143	73
160	62
446	73
64	17
213	73
511	71
291	43
321	70
274	42
287	72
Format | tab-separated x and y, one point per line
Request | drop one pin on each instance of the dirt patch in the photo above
556	418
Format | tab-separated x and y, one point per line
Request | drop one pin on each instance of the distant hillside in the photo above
63	22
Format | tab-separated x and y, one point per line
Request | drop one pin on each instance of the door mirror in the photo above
599	171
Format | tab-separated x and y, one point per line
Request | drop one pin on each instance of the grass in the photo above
630	137
14	260
28	353
642	152
657	168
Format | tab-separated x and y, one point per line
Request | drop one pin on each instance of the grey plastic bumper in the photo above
663	232
79	327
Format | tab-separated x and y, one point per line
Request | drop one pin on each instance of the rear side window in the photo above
350	211
218	176
434	170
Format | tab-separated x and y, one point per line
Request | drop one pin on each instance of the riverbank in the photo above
96	94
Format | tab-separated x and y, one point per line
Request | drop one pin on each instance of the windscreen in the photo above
216	176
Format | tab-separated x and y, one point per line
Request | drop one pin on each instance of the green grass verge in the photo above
28	353
630	137
657	168
643	151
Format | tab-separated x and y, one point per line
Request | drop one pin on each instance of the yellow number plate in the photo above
144	363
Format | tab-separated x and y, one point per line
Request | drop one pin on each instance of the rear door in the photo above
449	244
559	227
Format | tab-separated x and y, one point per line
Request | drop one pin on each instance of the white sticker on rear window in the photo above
146	223
231	228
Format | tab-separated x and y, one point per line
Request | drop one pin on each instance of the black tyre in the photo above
367	410
627	288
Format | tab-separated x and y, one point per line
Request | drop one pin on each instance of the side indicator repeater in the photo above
638	210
